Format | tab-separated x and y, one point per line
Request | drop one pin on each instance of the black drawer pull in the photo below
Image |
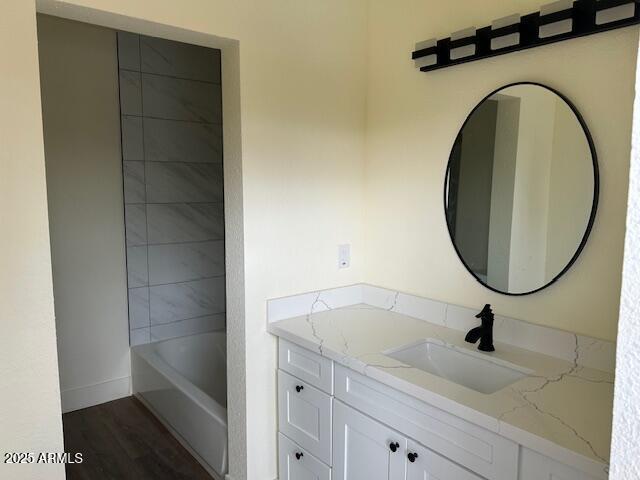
299	388
299	455
393	446
412	457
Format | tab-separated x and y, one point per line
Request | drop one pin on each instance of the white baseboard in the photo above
83	397
229	477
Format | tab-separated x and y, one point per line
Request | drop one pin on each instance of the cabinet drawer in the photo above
305	415
296	463
306	365
427	464
475	448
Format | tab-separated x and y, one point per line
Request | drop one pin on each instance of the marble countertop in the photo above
562	410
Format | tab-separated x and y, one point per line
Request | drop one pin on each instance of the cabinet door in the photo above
363	448
423	464
305	415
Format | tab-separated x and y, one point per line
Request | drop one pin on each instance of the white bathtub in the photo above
183	382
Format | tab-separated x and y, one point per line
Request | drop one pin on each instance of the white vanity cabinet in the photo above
485	453
336	424
364	449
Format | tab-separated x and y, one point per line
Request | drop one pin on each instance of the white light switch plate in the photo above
344	256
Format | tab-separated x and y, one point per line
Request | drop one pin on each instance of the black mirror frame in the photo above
596	190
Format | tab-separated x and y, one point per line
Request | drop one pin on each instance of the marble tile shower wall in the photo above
170	101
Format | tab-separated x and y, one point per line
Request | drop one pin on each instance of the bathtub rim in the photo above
203	400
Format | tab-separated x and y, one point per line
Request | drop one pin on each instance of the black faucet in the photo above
484	332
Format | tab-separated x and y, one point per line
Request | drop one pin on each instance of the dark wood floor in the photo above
122	440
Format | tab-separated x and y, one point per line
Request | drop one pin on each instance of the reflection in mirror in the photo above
521	189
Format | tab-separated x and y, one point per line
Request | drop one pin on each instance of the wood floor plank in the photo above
122	440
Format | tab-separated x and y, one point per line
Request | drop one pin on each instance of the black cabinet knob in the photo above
412	457
299	455
393	446
299	388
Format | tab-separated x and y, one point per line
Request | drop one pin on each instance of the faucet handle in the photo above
486	311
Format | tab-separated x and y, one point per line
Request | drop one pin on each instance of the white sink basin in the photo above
473	370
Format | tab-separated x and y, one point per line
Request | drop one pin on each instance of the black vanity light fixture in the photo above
555	22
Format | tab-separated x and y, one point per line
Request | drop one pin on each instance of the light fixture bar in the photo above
556	22
505	32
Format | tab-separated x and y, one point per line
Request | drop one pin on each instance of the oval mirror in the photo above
521	189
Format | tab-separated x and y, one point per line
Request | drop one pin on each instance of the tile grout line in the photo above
146	213
213	314
164	324
176	203
195	122
178	243
174	162
124	206
149	285
165	75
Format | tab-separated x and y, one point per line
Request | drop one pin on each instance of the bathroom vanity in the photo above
368	391
379	385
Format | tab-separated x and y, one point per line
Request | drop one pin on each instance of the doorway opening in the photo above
136	193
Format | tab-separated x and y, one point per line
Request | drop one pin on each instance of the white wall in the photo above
413	119
29	391
79	81
530	214
625	447
473	192
570	190
502	184
302	103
